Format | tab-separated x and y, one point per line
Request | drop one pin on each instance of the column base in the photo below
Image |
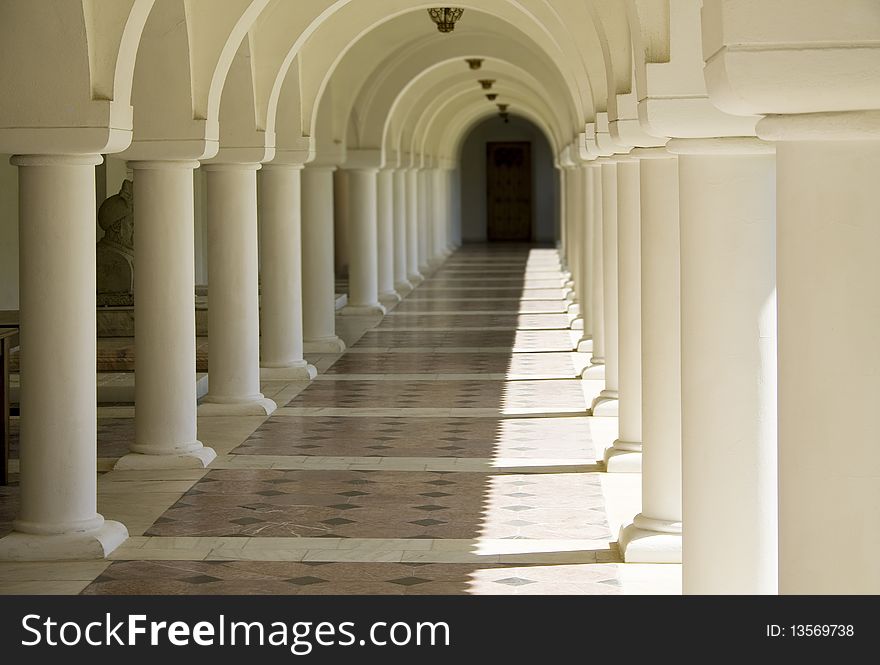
574	309
196	459
426	269
568	283
403	288
258	406
389	298
416	278
325	345
95	544
577	324
569	297
596	370
585	345
624	457
650	541
606	404
376	309
299	371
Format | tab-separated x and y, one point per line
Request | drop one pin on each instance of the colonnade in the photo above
271	299
729	267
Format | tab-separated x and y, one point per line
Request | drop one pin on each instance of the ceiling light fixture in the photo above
492	97
474	63
487	84
445	17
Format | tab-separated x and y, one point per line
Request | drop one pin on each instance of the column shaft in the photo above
829	364
574	208
319	282
625	456
340	210
607	402
586	249
728	365
401	281
385	236
165	325
596	370
281	313
439	207
363	270
563	220
655	534
413	230
423	216
58	517
233	294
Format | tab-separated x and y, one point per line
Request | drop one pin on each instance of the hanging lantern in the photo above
445	17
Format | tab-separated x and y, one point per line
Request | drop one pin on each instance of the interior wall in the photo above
473	178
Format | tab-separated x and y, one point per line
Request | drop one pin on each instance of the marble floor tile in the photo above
447	451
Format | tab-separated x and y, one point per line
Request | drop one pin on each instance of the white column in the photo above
596	369
574	214
728	365
413	230
423	216
363	270
165	324
281	314
626	453
401	281
448	201
319	282
563	226
340	209
585	251
233	294
829	319
385	237
58	518
606	404
440	221
655	534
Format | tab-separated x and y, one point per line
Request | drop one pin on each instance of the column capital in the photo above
161	165
231	166
316	167
834	126
282	166
651	153
722	145
363	159
56	160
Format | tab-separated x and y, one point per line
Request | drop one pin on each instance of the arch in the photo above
68	68
409	117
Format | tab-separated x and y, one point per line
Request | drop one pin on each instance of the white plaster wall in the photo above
473	178
8	234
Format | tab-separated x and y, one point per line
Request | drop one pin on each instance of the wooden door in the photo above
509	191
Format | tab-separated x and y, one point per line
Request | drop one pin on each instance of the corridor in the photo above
447	452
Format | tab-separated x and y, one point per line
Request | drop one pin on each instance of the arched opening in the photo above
494	205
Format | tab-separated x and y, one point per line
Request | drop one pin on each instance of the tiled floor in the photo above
449	451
